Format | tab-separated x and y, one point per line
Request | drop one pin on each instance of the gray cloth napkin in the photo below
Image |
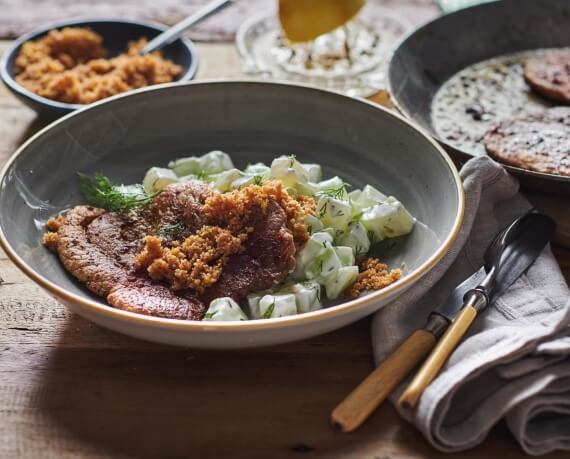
514	364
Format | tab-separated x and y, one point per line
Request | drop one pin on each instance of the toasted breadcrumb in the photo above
196	263
235	209
373	275
54	223
68	65
50	240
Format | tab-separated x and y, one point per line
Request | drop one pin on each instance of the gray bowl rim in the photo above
406	114
13	85
199	326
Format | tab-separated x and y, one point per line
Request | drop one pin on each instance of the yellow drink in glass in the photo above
305	20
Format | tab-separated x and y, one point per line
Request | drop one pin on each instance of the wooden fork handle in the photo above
371	392
437	358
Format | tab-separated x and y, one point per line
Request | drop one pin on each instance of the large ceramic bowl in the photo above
116	36
125	135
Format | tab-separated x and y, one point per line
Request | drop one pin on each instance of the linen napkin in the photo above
514	363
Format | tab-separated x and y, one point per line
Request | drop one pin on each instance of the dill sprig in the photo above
169	230
269	311
258	180
99	191
203	176
337	193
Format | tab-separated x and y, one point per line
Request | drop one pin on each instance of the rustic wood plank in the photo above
69	388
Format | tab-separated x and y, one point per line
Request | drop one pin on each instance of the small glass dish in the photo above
352	59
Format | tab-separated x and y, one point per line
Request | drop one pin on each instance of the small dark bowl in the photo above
116	35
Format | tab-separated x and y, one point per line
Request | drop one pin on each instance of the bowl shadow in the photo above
113	395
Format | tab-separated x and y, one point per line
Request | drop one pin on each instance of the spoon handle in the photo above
177	29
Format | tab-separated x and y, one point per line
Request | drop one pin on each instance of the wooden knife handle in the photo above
371	392
437	358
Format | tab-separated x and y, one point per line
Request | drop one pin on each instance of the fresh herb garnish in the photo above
204	176
269	311
169	230
209	315
292	159
337	193
258	180
323	210
356	218
99	191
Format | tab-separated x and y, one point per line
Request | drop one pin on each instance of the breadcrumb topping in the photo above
50	240
236	209
198	261
195	263
373	275
54	223
69	65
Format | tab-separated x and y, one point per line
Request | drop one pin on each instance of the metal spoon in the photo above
177	29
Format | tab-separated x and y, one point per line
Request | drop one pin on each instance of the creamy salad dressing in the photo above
478	97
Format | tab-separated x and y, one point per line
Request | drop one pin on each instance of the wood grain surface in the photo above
70	389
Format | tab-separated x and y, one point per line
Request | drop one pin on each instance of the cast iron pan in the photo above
436	51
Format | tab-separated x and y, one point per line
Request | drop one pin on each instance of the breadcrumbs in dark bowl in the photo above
65	66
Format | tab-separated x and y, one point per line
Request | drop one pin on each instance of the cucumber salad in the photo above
346	224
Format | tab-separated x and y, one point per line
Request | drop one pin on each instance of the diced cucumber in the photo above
210	163
185	166
370	196
389	219
334	213
243	180
314	171
324	264
315	246
354	195
257	169
306	189
289	171
345	254
278	305
215	161
223	181
224	309
334	183
157	178
356	237
253	303
307	296
338	281
313	223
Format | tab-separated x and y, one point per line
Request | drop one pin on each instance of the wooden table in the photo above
72	389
